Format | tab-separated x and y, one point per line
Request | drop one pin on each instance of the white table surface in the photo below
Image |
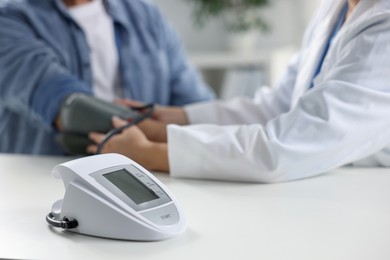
341	215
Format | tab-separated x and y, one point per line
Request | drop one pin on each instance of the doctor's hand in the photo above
133	143
154	130
167	115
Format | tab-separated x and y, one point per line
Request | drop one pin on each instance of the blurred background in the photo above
236	61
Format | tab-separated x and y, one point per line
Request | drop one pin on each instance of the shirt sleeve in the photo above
344	118
187	85
33	80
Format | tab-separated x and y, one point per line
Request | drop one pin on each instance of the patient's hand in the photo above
133	143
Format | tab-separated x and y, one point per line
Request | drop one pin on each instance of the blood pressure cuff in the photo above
81	114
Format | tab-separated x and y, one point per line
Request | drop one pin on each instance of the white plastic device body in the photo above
114	197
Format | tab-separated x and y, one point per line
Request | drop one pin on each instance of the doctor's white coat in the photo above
291	131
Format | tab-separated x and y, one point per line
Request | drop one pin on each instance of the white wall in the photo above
179	13
287	18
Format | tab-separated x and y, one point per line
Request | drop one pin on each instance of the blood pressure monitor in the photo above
112	196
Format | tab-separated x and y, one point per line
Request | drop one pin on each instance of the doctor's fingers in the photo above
171	115
146	129
99	137
96	137
129	103
135	103
117	122
164	114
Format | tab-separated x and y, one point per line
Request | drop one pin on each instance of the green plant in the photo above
239	15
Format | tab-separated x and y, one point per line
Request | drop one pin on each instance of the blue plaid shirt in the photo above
44	56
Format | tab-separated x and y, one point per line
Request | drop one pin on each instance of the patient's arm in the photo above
133	143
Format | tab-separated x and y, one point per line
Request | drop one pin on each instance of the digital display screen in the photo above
131	186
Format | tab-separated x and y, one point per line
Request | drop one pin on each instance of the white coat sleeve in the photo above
343	119
267	104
